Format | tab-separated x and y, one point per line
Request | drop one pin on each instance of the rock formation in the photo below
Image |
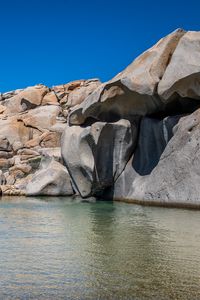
159	95
101	153
51	179
31	124
134	138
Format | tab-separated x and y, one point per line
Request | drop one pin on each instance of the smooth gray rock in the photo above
134	90
182	76
96	155
52	179
175	178
153	137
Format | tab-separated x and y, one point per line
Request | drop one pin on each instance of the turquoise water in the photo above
55	248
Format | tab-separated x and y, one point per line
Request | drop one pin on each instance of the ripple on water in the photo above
55	248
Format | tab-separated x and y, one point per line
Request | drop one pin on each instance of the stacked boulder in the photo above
32	121
136	137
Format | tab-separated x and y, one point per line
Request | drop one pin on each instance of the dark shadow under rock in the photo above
153	137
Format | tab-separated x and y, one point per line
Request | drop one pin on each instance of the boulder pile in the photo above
32	121
134	138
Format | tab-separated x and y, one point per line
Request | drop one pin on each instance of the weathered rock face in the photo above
133	138
26	99
96	155
52	179
74	93
182	76
153	137
175	178
158	92
31	124
133	91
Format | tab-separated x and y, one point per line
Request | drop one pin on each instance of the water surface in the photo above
55	248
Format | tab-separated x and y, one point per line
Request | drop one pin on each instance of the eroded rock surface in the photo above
182	76
134	90
175	178
161	90
32	121
133	138
96	155
52	179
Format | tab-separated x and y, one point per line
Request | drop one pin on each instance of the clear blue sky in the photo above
53	42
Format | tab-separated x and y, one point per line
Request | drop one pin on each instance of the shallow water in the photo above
54	248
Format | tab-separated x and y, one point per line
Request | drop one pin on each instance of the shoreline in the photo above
155	203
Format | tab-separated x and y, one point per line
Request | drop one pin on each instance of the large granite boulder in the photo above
133	138
52	179
41	118
134	90
26	99
174	177
32	121
182	76
96	155
15	131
